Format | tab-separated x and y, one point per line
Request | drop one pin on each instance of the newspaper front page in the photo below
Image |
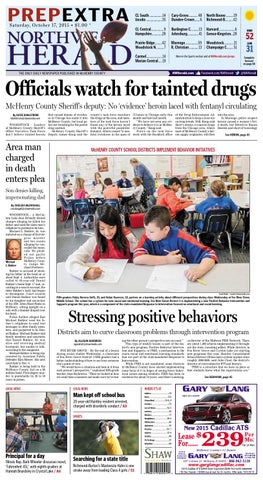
142	356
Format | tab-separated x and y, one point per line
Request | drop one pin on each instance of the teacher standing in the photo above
47	414
140	170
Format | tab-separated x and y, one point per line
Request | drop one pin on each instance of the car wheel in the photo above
248	417
226	416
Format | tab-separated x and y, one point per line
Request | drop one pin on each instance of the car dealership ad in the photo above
216	428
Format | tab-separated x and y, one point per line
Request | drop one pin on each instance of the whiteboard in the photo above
27	400
183	164
35	400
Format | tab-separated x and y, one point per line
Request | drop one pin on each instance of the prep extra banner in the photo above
215	40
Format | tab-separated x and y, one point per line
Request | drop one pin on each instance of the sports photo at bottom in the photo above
106	437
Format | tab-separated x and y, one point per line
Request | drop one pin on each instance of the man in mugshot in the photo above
13	249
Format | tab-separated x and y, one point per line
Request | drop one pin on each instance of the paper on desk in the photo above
112	270
170	278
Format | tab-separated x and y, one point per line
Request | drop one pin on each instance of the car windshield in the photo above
215	398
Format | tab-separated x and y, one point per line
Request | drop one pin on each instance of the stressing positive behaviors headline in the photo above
152	317
29	87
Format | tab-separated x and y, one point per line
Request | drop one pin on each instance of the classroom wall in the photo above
161	166
241	166
232	164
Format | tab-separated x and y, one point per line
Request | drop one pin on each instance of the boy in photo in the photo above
163	243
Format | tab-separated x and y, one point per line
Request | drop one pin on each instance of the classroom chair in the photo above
115	203
80	208
60	440
67	207
93	203
218	221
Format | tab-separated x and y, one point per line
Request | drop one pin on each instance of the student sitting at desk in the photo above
111	191
79	189
138	188
219	199
66	189
21	421
61	421
166	196
97	183
124	182
14	440
185	188
163	244
111	240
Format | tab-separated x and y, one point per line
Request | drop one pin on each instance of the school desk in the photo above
35	417
95	194
225	277
127	192
240	197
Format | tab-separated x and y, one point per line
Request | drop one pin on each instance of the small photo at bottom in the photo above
106	437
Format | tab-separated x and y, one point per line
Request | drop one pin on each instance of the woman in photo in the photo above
140	170
47	410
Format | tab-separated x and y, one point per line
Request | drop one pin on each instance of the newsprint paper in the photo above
132	330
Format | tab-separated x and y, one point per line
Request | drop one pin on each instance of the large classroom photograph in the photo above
153	223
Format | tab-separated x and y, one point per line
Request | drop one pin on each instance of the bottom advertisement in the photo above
216	429
73	430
